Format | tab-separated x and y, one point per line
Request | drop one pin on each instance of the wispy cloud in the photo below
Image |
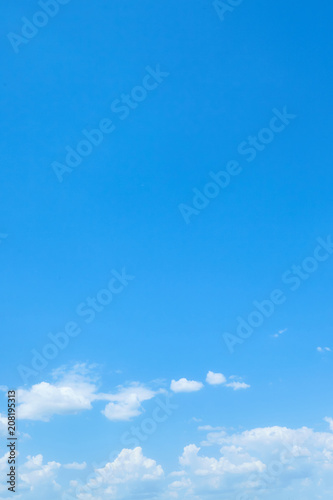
236	386
323	349
215	378
76	466
329	420
279	333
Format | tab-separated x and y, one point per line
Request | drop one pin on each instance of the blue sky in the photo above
196	91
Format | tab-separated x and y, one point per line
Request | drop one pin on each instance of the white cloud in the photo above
126	475
34	473
72	393
126	404
204	466
76	390
323	349
181	484
129	465
184	385
329	420
215	378
44	400
236	386
269	463
76	466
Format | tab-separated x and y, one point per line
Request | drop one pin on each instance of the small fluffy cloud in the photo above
215	378
126	404
184	385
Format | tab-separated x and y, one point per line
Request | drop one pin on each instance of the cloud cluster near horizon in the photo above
302	458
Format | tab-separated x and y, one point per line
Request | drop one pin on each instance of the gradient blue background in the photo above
120	206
